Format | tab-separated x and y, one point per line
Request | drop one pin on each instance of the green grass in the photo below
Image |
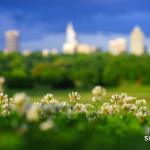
132	90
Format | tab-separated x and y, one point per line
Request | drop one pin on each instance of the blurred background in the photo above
59	46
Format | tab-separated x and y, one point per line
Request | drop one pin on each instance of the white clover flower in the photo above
126	106
78	107
2	80
20	100
74	96
106	108
65	106
119	96
46	125
49	98
129	104
144	102
116	108
2	95
121	99
33	113
129	107
138	102
144	109
64	103
141	103
96	99
140	114
98	91
5	104
54	102
133	107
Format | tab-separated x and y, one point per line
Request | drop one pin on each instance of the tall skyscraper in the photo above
137	41
72	45
117	46
71	41
12	40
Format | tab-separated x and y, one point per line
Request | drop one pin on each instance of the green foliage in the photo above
105	132
50	74
74	70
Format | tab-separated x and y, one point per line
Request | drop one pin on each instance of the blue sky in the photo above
42	23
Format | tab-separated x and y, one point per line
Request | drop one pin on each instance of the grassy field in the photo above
119	131
132	90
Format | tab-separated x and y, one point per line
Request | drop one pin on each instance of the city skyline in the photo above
135	44
42	23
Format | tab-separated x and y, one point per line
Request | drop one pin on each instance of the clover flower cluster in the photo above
5	104
122	104
20	101
43	111
98	93
74	96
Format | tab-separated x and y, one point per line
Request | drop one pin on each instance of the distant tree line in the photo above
67	71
